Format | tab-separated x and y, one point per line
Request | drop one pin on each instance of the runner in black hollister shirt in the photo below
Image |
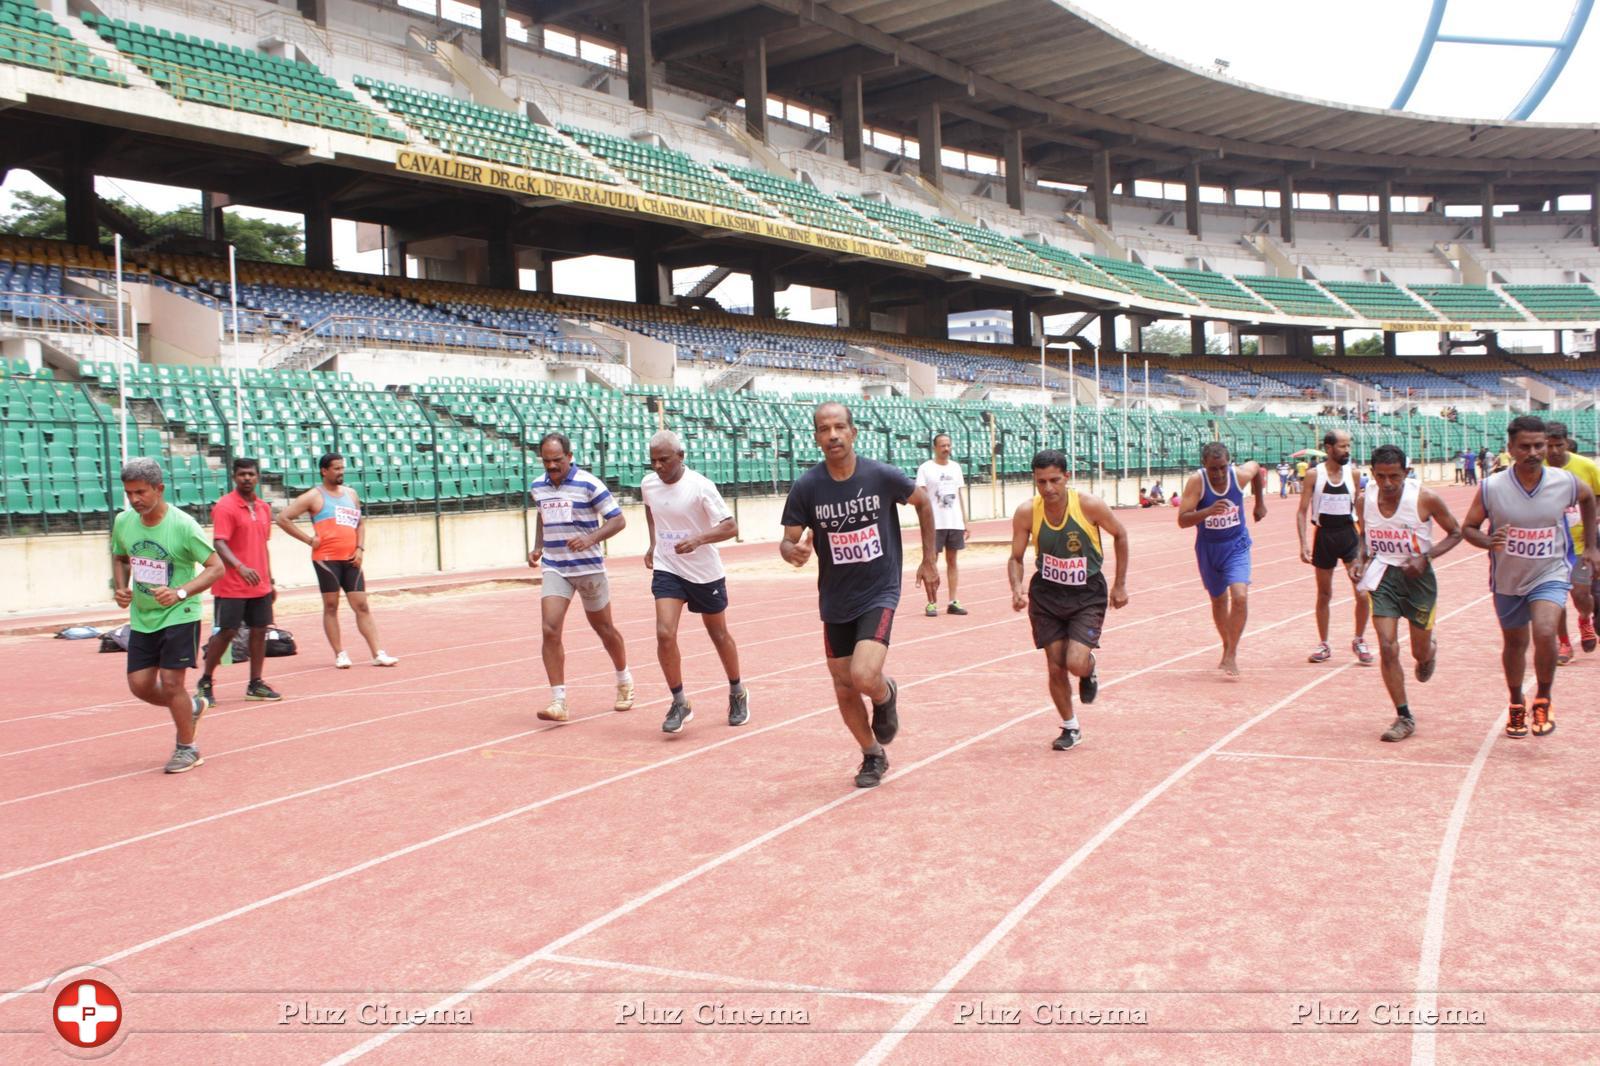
844	509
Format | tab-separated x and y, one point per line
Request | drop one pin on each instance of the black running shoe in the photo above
679	714
739	708
955	608
873	767
202	689
260	690
885	722
1069	739
1089	687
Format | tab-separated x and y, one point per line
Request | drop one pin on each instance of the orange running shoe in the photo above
1586	633
1516	721
1563	652
1543	724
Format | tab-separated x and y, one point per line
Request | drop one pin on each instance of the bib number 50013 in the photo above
857	546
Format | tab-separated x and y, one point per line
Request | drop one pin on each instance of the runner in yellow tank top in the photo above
1558	453
1067	596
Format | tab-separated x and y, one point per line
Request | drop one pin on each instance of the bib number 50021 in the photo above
1531	543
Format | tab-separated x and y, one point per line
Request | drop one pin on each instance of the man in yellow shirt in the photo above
1559	453
1300	469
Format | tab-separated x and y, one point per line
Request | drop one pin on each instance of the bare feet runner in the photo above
1396	567
575	513
1330	508
1066	599
1213	501
241	525
338	555
845	506
1585	579
1530	563
687	518
154	550
941	478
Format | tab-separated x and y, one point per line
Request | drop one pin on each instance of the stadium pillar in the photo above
850	112
493	34
1022	322
1385	221
934	313
762	289
637	37
1014	170
857	299
319	233
83	223
1286	208
755	88
1101	183
544	277
1388	343
502	259
930	144
1108	332
315	10
213	226
1594	214
1338	343
1488	216
1197	336
649	281
1191	197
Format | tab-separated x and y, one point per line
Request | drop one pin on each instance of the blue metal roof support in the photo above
1430	34
1558	61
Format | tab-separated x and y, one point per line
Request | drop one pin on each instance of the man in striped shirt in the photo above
575	513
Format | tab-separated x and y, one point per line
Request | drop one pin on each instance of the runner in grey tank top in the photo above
1530	562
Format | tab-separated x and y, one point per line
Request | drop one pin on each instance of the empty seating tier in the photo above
804	203
1379	300
31	38
1215	290
1468	303
1142	280
1293	296
1073	267
1558	303
998	248
665	172
916	230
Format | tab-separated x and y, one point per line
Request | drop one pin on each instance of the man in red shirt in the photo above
241	523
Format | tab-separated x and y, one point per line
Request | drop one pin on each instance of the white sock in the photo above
1070	723
624	676
559	691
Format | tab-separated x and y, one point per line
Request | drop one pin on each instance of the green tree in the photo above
1372	345
42	216
1174	340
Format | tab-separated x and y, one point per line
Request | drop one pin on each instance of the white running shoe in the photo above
383	658
342	661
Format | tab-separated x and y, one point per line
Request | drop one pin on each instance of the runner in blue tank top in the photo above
1213	502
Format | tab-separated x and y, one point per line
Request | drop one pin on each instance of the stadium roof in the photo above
1074	85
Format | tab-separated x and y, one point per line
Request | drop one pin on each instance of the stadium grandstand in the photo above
903	170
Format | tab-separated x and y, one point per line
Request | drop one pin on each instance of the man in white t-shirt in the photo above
941	478
687	517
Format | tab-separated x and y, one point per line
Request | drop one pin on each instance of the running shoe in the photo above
678	715
183	760
1089	687
1363	653
739	708
1564	652
1543	724
1069	739
342	661
1516	721
955	608
199	705
383	658
556	712
1586	633
873	767
931	611
624	696
1426	667
202	689
1403	727
1321	654
260	690
885	720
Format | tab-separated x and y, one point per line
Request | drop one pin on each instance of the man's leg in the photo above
1363	605
866	670
1238	612
367	624
1219	617
851	709
600	622
258	652
668	612
1514	659
165	688
1059	676
1394	675
722	640
950	565
552	617
1324	603
217	646
1546	615
330	621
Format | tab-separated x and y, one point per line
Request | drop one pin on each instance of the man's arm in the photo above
1256	475
1021	531
795	550
1096	511
927	572
232	560
1471	527
608	529
121	576
1586	515
650	531
210	572
726	529
361	531
537	550
1431	506
1302	524
302	504
1189	514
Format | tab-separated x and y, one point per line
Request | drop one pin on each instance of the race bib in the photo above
1389	542
153	572
1226	520
349	517
555	512
1533	543
857	546
1073	571
1337	503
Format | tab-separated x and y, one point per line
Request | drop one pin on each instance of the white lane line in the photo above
1424	1037
723	981
1335	758
912	1018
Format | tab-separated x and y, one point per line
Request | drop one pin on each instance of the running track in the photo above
1222	856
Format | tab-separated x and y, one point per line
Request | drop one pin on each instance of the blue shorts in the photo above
709	598
1222	565
1514	610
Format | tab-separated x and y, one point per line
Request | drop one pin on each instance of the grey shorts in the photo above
949	538
593	589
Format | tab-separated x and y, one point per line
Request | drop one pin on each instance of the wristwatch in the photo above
183	594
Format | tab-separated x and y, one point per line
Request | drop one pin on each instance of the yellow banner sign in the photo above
492	176
1428	327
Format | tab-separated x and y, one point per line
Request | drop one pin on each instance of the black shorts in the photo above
949	538
173	648
333	576
233	612
710	597
839	639
1066	612
1335	545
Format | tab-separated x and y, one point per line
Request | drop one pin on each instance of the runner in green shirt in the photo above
155	549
